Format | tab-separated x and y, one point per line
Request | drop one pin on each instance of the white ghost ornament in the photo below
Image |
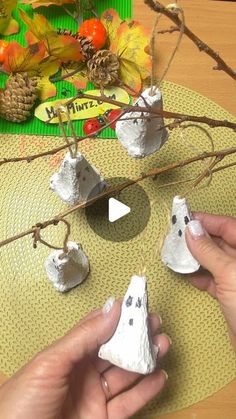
175	253
131	347
142	137
76	180
65	271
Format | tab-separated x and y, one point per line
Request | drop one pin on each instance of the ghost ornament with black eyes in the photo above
131	347
77	180
139	132
66	271
175	253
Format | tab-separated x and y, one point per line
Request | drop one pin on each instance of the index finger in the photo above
219	226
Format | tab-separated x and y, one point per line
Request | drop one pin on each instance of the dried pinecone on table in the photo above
103	68
18	97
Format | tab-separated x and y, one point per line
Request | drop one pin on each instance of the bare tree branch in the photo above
157	7
219	155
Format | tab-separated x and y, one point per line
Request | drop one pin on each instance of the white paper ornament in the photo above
142	137
76	180
131	347
175	253
68	271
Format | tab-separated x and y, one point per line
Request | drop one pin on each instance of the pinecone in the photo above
18	97
103	68
85	44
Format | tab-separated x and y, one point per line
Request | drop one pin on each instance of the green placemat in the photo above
33	314
59	19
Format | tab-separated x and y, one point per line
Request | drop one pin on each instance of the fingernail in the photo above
156	349
108	305
160	320
165	373
196	230
168	337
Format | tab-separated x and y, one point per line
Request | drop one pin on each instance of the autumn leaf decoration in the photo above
38	3
8	25
44	55
123	61
53	55
128	40
64	48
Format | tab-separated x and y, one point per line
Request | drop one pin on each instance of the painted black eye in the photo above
180	233
174	219
138	303
131	322
186	220
129	301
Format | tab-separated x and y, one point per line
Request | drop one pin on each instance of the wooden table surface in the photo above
215	23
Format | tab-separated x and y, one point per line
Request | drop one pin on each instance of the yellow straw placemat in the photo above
33	314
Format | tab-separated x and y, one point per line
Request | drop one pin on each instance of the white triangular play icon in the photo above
117	210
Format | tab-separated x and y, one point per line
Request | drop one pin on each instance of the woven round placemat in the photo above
33	314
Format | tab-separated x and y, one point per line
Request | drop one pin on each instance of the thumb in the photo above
205	250
90	333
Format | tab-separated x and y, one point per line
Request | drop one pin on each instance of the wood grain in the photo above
214	22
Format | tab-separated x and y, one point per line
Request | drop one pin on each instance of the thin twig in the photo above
157	7
120	187
213	123
178	119
170	30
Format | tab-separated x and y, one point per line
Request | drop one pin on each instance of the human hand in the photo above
212	241
68	381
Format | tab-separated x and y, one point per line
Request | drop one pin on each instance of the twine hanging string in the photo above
175	9
154	54
59	110
73	147
37	237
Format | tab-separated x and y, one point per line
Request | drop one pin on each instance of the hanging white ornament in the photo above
76	180
145	136
131	347
65	271
175	253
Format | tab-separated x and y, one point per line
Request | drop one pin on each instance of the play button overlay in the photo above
121	217
117	210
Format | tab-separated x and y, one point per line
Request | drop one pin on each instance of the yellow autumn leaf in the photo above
8	25
129	44
46	88
38	3
131	77
38	25
46	69
111	20
63	47
79	80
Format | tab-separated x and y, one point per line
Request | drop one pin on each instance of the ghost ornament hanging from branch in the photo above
66	270
66	267
140	133
77	180
143	133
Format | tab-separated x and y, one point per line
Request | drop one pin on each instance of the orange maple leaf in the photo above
20	59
